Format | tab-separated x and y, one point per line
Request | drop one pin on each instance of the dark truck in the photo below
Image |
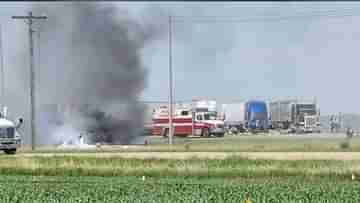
256	116
295	116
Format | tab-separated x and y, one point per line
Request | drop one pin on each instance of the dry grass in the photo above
112	164
206	155
259	143
258	156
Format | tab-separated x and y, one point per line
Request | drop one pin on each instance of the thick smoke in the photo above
90	53
91	64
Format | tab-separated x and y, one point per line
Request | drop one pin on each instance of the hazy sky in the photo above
233	58
302	57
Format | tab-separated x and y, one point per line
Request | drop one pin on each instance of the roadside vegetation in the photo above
90	165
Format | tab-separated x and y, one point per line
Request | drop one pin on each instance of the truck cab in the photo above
210	119
307	117
187	121
9	137
257	116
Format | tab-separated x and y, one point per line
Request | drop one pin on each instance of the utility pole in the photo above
2	72
192	117
340	121
30	20
170	87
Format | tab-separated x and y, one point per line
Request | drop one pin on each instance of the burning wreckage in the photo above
86	125
108	128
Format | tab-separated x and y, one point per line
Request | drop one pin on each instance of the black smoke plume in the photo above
93	59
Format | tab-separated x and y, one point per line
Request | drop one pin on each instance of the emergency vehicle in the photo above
187	121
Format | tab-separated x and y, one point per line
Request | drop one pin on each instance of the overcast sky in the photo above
233	58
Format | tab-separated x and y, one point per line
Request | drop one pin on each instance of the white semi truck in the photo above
10	139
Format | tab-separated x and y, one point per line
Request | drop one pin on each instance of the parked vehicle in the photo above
188	121
234	117
10	139
148	122
295	115
256	116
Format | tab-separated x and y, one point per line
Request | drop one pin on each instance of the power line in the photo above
2	70
268	18
190	101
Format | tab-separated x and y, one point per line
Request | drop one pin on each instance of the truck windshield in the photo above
210	116
10	132
258	116
256	111
7	132
309	109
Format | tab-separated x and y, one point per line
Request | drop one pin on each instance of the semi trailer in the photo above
234	117
295	115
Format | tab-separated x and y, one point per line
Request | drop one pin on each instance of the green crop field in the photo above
134	189
264	168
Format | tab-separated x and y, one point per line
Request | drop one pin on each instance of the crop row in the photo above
135	189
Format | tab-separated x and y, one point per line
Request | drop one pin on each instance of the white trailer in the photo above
205	105
234	117
281	112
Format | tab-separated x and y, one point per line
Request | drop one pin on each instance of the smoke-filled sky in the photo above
223	59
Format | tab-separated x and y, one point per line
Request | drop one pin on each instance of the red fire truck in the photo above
187	121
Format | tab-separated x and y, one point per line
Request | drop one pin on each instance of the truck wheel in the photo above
205	132
220	135
10	151
298	131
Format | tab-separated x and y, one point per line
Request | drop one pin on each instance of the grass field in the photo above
233	166
221	157
267	168
258	143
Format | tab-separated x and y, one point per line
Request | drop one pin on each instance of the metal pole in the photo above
170	87
340	121
2	72
192	118
32	84
30	19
